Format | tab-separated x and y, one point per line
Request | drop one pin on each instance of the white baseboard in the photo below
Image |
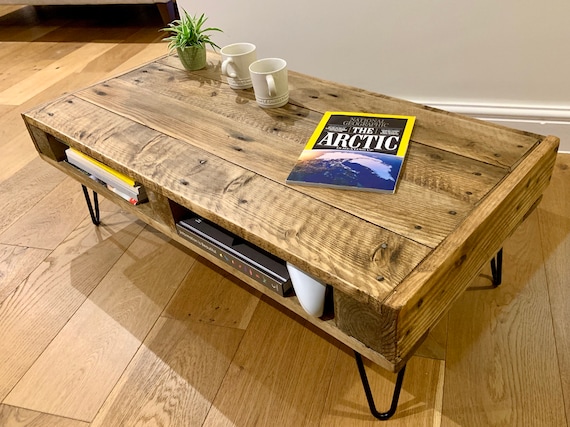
543	120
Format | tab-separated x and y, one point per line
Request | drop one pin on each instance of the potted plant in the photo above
189	39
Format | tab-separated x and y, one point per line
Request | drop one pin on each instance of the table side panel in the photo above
439	280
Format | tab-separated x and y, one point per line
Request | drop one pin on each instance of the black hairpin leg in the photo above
397	388
497	268
93	208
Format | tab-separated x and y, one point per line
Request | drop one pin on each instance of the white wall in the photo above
505	60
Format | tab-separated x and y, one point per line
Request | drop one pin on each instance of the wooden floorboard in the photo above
554	219
174	377
116	326
76	372
501	343
18	417
209	295
16	263
41	304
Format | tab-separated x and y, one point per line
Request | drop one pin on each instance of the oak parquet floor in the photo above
116	326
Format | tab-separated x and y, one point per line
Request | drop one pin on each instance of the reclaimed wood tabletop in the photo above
396	262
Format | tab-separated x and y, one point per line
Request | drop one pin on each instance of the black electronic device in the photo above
260	265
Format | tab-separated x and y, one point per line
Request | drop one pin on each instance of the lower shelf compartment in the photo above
261	266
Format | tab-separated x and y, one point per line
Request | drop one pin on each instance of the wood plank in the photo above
57	70
20	24
16	155
502	366
16	263
152	212
148	53
51	220
297	124
447	272
11	127
19	65
267	380
554	246
235	199
176	118
404	212
132	43
79	368
209	295
292	124
174	377
11	416
435	173
476	139
22	191
34	314
554	219
435	344
279	365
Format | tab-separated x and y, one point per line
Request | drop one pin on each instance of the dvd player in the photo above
260	265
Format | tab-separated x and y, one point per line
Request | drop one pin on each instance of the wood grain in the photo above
16	263
57	70
234	198
52	220
209	295
501	343
75	373
174	377
492	222
483	364
483	141
11	416
243	137
554	215
279	363
23	190
390	274
44	302
419	403
17	69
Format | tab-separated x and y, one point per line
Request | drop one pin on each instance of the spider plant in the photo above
188	31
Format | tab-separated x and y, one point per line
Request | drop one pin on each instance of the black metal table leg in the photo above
93	208
395	397
497	268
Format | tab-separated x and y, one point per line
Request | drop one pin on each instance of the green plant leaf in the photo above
188	31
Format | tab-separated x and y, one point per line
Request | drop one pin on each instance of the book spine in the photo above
127	180
92	168
131	200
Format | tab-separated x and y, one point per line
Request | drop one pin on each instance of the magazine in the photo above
359	151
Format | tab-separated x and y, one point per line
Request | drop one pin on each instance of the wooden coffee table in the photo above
395	263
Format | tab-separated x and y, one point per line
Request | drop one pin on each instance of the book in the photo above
358	151
115	181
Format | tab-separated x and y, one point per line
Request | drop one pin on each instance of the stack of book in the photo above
115	181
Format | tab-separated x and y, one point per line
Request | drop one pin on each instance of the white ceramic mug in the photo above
270	84
236	59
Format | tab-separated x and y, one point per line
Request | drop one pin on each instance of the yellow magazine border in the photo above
406	135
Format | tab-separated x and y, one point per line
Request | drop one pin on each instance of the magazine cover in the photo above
360	151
